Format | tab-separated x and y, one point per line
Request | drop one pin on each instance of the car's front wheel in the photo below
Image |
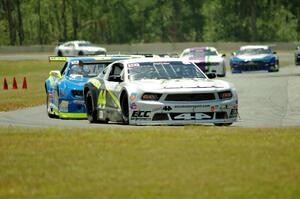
222	124
90	108
125	108
50	115
275	68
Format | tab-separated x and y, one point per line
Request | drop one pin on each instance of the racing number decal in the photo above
102	99
191	116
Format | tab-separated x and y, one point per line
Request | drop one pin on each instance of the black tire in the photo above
80	53
276	68
50	115
222	124
125	108
59	53
91	110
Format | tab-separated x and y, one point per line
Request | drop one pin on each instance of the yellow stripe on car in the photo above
102	99
95	82
115	99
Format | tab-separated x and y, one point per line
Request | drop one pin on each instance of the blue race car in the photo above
254	58
64	89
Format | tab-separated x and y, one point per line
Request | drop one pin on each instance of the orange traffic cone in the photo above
24	86
15	85
5	86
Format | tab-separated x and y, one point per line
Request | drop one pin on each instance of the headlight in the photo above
151	96
225	95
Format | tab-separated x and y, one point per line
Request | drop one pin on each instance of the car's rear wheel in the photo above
125	108
59	53
222	124
90	108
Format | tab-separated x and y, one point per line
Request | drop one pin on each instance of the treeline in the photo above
29	22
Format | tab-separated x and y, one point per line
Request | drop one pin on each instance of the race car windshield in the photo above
85	44
254	51
87	70
202	53
163	70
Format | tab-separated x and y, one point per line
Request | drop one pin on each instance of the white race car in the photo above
159	91
207	59
78	48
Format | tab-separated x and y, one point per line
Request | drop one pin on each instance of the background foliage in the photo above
28	22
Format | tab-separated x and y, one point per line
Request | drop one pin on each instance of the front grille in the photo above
77	93
204	65
160	116
221	115
191	97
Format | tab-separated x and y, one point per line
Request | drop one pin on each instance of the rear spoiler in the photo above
57	59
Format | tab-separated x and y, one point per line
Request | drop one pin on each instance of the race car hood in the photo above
157	85
254	57
214	59
77	80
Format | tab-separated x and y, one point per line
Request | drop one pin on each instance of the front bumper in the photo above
157	113
72	109
209	67
252	66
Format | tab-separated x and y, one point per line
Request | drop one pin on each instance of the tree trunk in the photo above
38	9
64	18
253	20
20	23
74	18
8	7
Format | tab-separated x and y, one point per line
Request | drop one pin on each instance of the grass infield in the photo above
167	162
35	71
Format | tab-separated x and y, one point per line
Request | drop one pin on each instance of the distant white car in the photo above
207	59
78	48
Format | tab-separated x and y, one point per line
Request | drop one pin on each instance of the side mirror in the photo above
298	48
55	73
233	54
211	75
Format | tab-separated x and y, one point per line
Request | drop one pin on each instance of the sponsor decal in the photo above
167	108
132	65
63	106
101	114
75	62
134	106
78	102
191	116
140	114
132	96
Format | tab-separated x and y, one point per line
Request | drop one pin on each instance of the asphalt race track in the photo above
265	100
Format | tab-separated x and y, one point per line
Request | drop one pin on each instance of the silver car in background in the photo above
78	48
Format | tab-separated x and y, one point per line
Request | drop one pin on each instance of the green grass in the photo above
183	162
36	72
